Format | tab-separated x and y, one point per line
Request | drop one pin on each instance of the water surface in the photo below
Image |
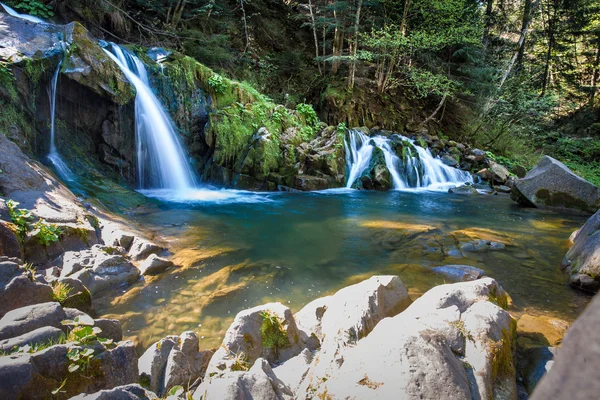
240	249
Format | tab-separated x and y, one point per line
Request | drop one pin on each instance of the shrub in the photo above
272	332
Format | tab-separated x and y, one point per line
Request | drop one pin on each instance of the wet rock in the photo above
574	374
22	320
450	161
309	183
37	336
376	176
502	189
244	337
538	361
141	249
126	392
154	265
460	273
21	292
582	262
551	184
260	382
464	190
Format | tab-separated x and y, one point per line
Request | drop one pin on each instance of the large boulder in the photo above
574	374
174	361
38	336
22	320
21	292
376	176
551	184
582	262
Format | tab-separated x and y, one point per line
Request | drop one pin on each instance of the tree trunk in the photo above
551	42
595	73
488	23
314	28
245	26
520	43
527	15
352	74
336	45
403	23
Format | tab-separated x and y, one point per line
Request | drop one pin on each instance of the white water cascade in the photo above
61	167
30	18
417	169
161	159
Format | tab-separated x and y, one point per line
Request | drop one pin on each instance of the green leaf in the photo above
176	391
73	367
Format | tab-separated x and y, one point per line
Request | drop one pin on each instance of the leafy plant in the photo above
309	115
35	7
31	271
272	332
217	83
46	233
20	218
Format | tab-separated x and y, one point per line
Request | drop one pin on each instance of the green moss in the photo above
273	334
502	352
499	298
562	199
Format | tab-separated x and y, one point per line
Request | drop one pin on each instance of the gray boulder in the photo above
16	374
154	265
8	269
538	362
574	374
582	262
36	337
111	329
460	273
141	249
551	184
21	292
22	320
9	242
126	392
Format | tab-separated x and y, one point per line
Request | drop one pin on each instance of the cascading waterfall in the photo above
161	159
61	168
414	169
30	18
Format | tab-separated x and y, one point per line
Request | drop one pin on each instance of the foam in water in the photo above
420	171
30	18
61	167
200	196
161	159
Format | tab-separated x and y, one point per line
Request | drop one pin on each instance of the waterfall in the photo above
30	18
161	159
415	168
61	168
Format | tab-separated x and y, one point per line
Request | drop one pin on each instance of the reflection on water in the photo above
296	247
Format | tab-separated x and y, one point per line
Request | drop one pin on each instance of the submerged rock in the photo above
551	184
460	273
582	262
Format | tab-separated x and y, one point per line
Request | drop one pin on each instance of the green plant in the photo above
36	347
83	334
46	233
61	291
272	332
217	83
309	115
20	218
35	7
31	270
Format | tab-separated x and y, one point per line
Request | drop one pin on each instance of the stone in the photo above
154	265
499	174
449	160
459	273
16	374
244	337
79	297
376	176
37	336
260	382
141	249
25	319
174	361
538	361
116	367
126	392
9	242
111	329
8	270
464	190
115	236
546	331
21	292
582	261
550	184
575	370
52	362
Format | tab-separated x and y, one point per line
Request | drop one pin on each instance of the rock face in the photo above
453	343
574	373
174	361
551	184
582	262
22	291
22	320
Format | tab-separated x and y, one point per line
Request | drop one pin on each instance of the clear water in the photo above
422	171
161	160
244	249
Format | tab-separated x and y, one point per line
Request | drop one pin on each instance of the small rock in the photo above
141	249
460	273
154	265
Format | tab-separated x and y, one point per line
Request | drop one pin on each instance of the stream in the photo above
239	249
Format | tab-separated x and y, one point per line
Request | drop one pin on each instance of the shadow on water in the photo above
295	247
